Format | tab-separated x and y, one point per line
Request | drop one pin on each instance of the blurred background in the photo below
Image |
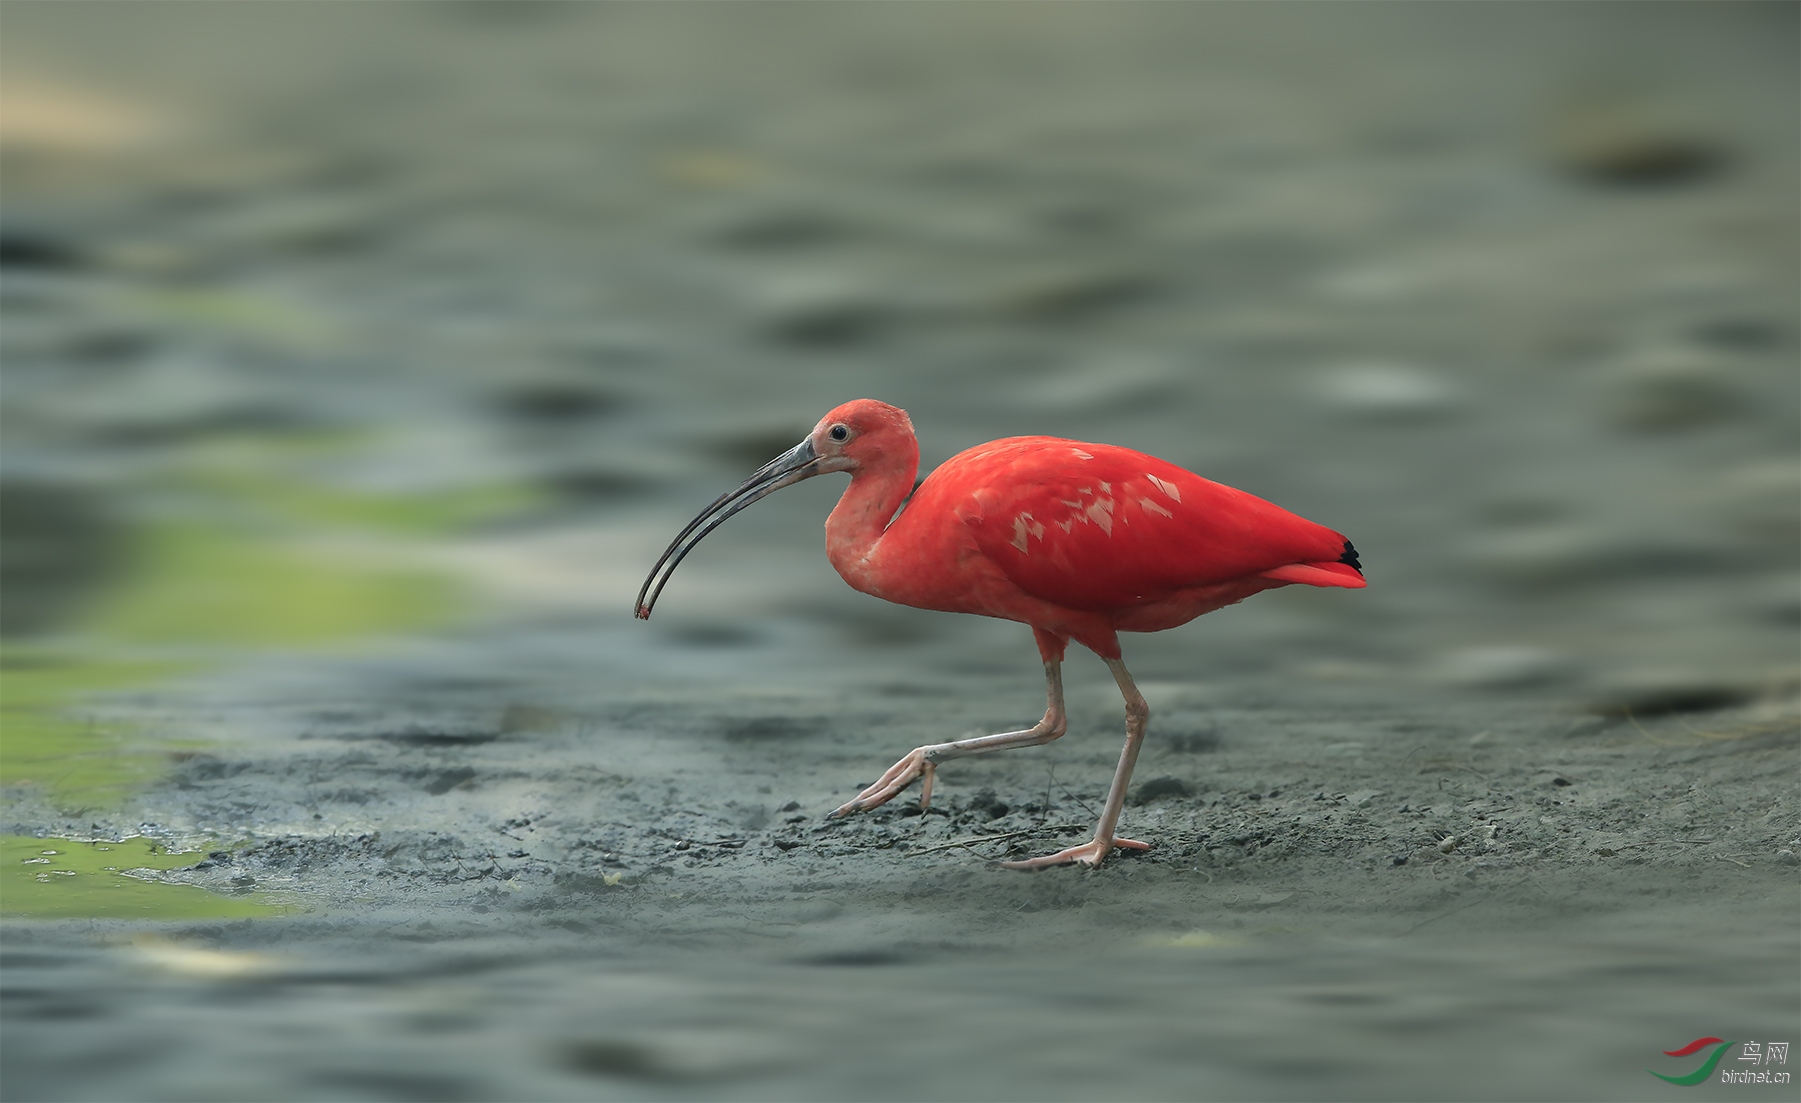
322	323
492	296
351	335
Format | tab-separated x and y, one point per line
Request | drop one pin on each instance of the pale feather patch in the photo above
1106	488
1153	507
1026	525
1101	512
1169	488
1079	454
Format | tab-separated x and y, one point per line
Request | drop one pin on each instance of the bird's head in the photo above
853	437
861	433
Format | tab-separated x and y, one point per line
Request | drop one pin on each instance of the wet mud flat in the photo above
1353	892
351	388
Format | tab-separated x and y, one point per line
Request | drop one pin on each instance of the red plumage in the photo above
1083	540
1098	527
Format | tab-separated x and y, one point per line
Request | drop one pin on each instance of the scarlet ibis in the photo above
1080	541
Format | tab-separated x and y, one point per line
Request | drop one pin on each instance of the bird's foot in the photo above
889	785
1090	854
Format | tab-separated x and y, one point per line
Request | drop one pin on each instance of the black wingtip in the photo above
1350	556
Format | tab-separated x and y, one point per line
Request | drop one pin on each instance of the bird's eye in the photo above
839	432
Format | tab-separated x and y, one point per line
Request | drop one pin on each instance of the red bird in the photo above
1080	541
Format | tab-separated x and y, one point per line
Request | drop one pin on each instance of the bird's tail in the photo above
1319	574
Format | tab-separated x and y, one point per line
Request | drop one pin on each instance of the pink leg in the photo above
1095	851
923	761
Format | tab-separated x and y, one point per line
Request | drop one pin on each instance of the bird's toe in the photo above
1089	855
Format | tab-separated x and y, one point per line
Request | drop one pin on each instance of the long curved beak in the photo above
797	463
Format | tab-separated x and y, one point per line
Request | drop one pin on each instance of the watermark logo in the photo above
1750	1053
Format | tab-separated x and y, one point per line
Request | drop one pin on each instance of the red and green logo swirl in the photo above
1707	1066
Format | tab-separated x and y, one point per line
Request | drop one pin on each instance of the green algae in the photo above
70	879
276	481
208	585
81	761
201	590
259	557
420	514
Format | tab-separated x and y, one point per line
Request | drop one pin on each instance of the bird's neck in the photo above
855	527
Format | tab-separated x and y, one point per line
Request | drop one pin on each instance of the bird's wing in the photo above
1092	526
